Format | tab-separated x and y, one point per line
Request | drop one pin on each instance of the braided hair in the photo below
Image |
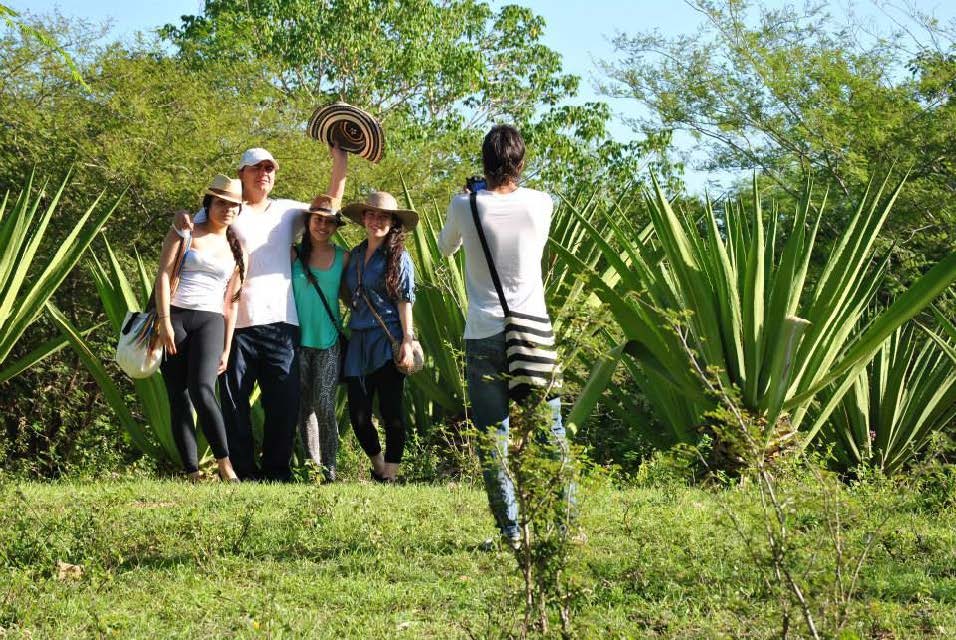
234	246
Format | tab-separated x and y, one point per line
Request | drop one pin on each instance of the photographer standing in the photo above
515	221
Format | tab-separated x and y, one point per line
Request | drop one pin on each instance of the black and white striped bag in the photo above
532	357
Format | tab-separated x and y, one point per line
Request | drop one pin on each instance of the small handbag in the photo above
138	352
531	355
343	340
418	355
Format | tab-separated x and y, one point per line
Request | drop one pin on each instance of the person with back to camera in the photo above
196	323
380	286
317	267
265	344
516	221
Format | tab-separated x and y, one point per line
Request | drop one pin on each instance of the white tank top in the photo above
202	282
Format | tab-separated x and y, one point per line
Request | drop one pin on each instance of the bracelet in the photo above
161	317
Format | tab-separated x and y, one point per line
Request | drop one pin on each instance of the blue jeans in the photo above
485	366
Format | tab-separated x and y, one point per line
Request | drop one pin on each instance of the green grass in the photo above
166	559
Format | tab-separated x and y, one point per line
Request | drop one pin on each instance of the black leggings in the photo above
389	384
190	375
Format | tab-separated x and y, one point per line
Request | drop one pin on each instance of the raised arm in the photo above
340	166
450	237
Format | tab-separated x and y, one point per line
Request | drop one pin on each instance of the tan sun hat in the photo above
384	202
226	188
324	205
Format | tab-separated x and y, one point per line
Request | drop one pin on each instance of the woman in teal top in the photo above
320	326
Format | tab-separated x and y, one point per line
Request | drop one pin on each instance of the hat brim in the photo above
335	217
223	195
354	212
350	128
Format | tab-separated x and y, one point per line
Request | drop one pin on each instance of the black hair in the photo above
502	154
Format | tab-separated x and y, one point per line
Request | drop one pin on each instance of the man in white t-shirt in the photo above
265	342
515	221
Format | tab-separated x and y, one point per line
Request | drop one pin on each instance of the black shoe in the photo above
381	479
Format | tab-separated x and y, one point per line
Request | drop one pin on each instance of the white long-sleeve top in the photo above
516	226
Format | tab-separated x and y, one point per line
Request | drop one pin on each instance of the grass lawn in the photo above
163	559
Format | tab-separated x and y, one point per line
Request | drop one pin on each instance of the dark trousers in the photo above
389	384
265	354
190	375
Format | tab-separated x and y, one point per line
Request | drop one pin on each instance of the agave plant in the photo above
119	295
905	394
438	391
723	294
24	290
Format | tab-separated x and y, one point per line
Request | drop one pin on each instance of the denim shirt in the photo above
373	281
369	348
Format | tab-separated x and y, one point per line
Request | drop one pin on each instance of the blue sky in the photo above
580	31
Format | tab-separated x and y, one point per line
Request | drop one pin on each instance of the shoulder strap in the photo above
184	243
473	198
315	285
359	268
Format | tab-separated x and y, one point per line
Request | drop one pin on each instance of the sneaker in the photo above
501	542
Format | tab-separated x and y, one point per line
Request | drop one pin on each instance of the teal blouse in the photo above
316	330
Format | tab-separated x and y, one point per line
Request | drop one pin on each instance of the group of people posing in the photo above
249	291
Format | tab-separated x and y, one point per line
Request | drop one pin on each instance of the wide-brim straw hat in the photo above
384	202
351	128
225	188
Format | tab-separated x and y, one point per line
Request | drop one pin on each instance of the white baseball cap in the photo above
256	155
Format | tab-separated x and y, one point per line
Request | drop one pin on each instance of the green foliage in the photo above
360	560
722	297
895	405
436	73
545	475
24	287
153	436
795	89
12	19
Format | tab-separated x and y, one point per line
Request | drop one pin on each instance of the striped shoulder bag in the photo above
531	355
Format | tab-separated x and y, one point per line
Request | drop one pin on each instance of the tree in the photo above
793	92
436	73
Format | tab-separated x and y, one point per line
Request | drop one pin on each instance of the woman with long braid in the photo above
196	322
380	281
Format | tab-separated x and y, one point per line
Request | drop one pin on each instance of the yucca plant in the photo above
723	293
438	391
905	394
118	295
25	289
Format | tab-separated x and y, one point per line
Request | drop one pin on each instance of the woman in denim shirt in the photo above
379	273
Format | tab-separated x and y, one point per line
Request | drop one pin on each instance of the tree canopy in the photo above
791	92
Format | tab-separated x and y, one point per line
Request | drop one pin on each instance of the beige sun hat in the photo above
226	188
384	202
324	205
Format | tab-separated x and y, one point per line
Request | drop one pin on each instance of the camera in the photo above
474	184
